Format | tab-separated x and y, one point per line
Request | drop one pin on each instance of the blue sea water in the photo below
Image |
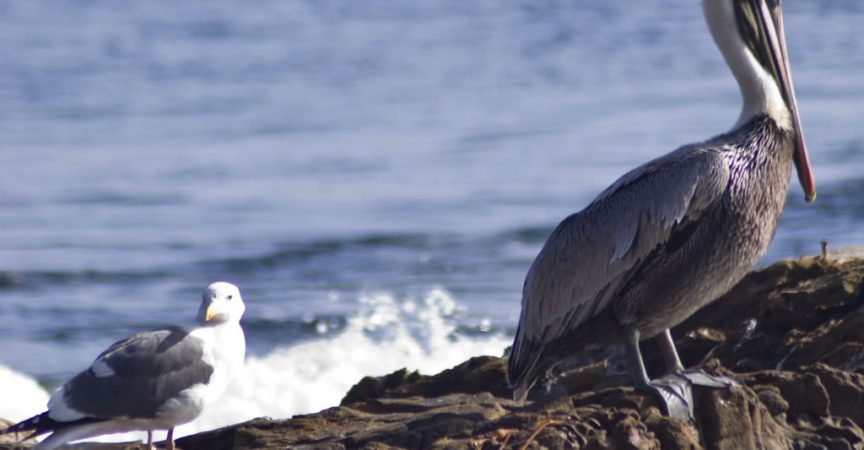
374	175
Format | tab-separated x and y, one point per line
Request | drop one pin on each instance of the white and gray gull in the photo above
676	233
150	380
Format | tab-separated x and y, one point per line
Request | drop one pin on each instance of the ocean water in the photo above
376	176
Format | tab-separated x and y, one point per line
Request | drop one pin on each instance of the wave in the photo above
284	254
29	279
294	252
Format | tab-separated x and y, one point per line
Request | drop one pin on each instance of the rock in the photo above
792	334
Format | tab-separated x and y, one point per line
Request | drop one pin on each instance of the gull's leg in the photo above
169	440
674	393
149	439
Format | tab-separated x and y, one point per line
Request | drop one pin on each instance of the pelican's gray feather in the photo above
589	255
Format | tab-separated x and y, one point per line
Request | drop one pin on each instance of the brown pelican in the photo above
676	233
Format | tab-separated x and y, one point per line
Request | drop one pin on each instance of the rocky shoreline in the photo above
792	334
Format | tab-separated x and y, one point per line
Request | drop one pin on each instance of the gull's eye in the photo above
230	297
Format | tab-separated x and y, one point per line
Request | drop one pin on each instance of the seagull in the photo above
151	380
676	233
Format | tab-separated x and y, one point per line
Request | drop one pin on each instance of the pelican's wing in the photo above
591	253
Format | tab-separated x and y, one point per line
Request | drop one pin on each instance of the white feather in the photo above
759	90
101	368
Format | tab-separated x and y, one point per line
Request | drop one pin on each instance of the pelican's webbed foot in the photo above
674	393
698	377
675	390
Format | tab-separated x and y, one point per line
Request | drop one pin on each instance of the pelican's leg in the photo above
695	376
149	439
670	355
673	392
675	389
634	358
169	440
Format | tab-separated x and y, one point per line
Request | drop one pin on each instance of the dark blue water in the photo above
314	152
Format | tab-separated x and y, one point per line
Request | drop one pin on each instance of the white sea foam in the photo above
22	397
385	335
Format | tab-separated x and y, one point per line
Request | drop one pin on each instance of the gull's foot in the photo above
675	390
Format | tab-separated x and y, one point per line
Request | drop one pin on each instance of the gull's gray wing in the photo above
590	254
136	375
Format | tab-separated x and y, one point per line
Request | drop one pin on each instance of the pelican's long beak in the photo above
776	41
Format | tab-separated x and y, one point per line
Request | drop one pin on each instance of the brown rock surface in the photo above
791	333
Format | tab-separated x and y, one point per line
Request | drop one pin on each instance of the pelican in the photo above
676	233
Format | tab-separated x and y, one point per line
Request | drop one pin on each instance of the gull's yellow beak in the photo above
210	313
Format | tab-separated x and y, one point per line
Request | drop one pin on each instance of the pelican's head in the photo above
220	303
750	36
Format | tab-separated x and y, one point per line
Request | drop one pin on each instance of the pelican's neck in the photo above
759	90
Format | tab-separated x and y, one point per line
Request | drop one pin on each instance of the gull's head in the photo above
220	303
750	35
